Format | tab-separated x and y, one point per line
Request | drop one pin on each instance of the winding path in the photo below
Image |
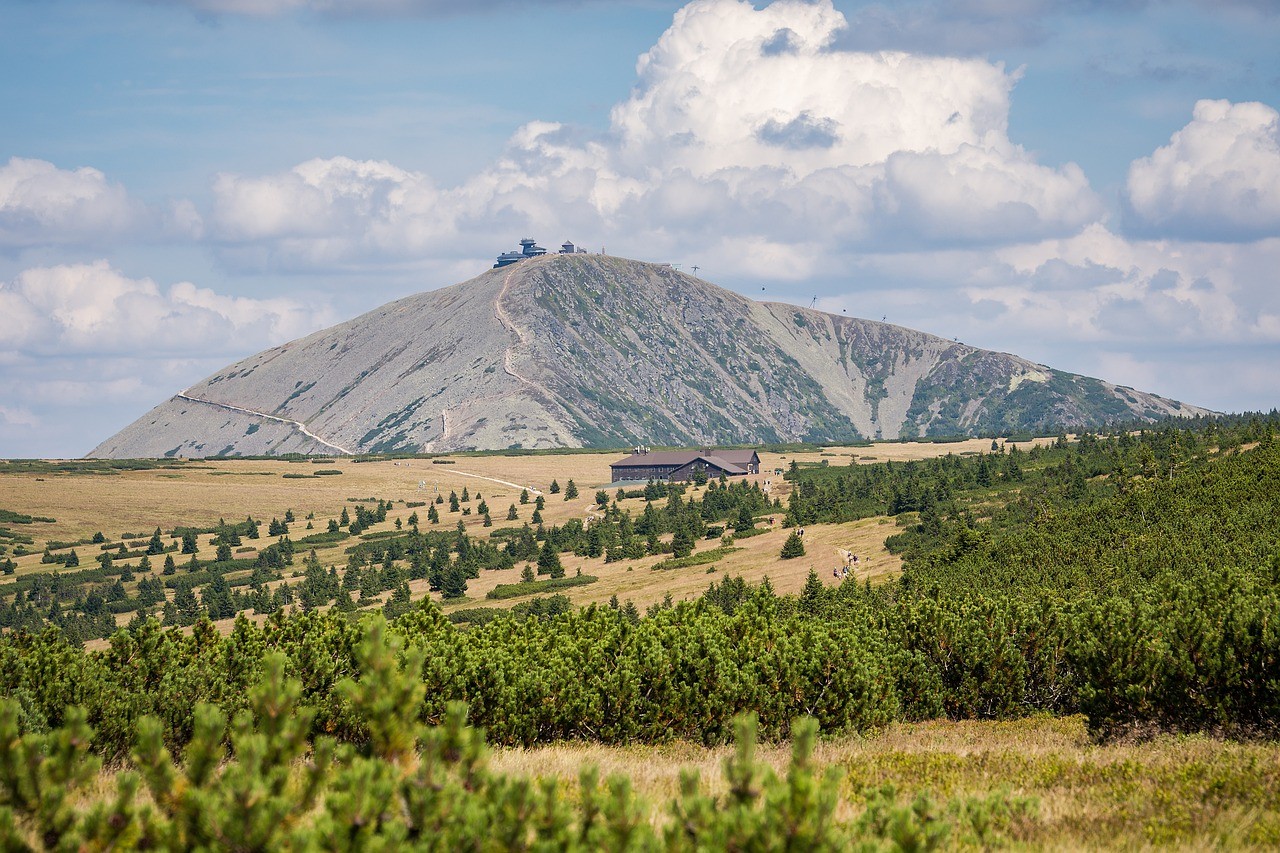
508	367
298	425
508	357
531	489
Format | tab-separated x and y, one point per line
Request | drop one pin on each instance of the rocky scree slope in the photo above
591	350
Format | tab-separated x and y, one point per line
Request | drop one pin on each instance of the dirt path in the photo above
531	489
508	367
298	425
508	357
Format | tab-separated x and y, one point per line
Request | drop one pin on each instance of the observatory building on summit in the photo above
529	248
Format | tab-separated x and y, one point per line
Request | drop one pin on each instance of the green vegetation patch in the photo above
515	590
10	517
700	558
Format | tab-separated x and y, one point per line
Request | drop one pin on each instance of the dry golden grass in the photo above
1189	793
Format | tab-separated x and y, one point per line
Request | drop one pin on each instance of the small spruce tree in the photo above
549	561
794	546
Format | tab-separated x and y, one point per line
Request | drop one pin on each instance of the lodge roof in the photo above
730	461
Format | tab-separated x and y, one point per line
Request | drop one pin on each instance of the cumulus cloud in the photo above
743	126
1217	179
41	204
92	309
329	211
1101	287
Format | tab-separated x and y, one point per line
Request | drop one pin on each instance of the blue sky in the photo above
1091	185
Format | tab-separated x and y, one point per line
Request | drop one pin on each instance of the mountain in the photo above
591	350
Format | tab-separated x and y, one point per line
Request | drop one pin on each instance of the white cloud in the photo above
18	417
41	204
329	212
1101	287
743	126
92	309
1217	179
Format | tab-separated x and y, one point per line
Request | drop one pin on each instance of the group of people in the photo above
850	561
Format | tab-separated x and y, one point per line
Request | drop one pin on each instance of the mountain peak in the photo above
568	350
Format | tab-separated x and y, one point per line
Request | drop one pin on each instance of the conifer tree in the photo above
682	542
549	561
793	547
454	584
813	594
570	491
217	598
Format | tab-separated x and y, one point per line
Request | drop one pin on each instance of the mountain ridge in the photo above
594	350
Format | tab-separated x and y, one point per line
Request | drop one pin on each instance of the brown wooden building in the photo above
681	464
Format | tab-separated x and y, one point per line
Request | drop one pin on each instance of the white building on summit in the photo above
529	248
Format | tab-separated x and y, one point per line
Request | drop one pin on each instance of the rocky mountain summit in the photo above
575	350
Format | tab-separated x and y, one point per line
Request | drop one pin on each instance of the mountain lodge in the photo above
677	465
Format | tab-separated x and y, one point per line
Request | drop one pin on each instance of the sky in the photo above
1091	185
